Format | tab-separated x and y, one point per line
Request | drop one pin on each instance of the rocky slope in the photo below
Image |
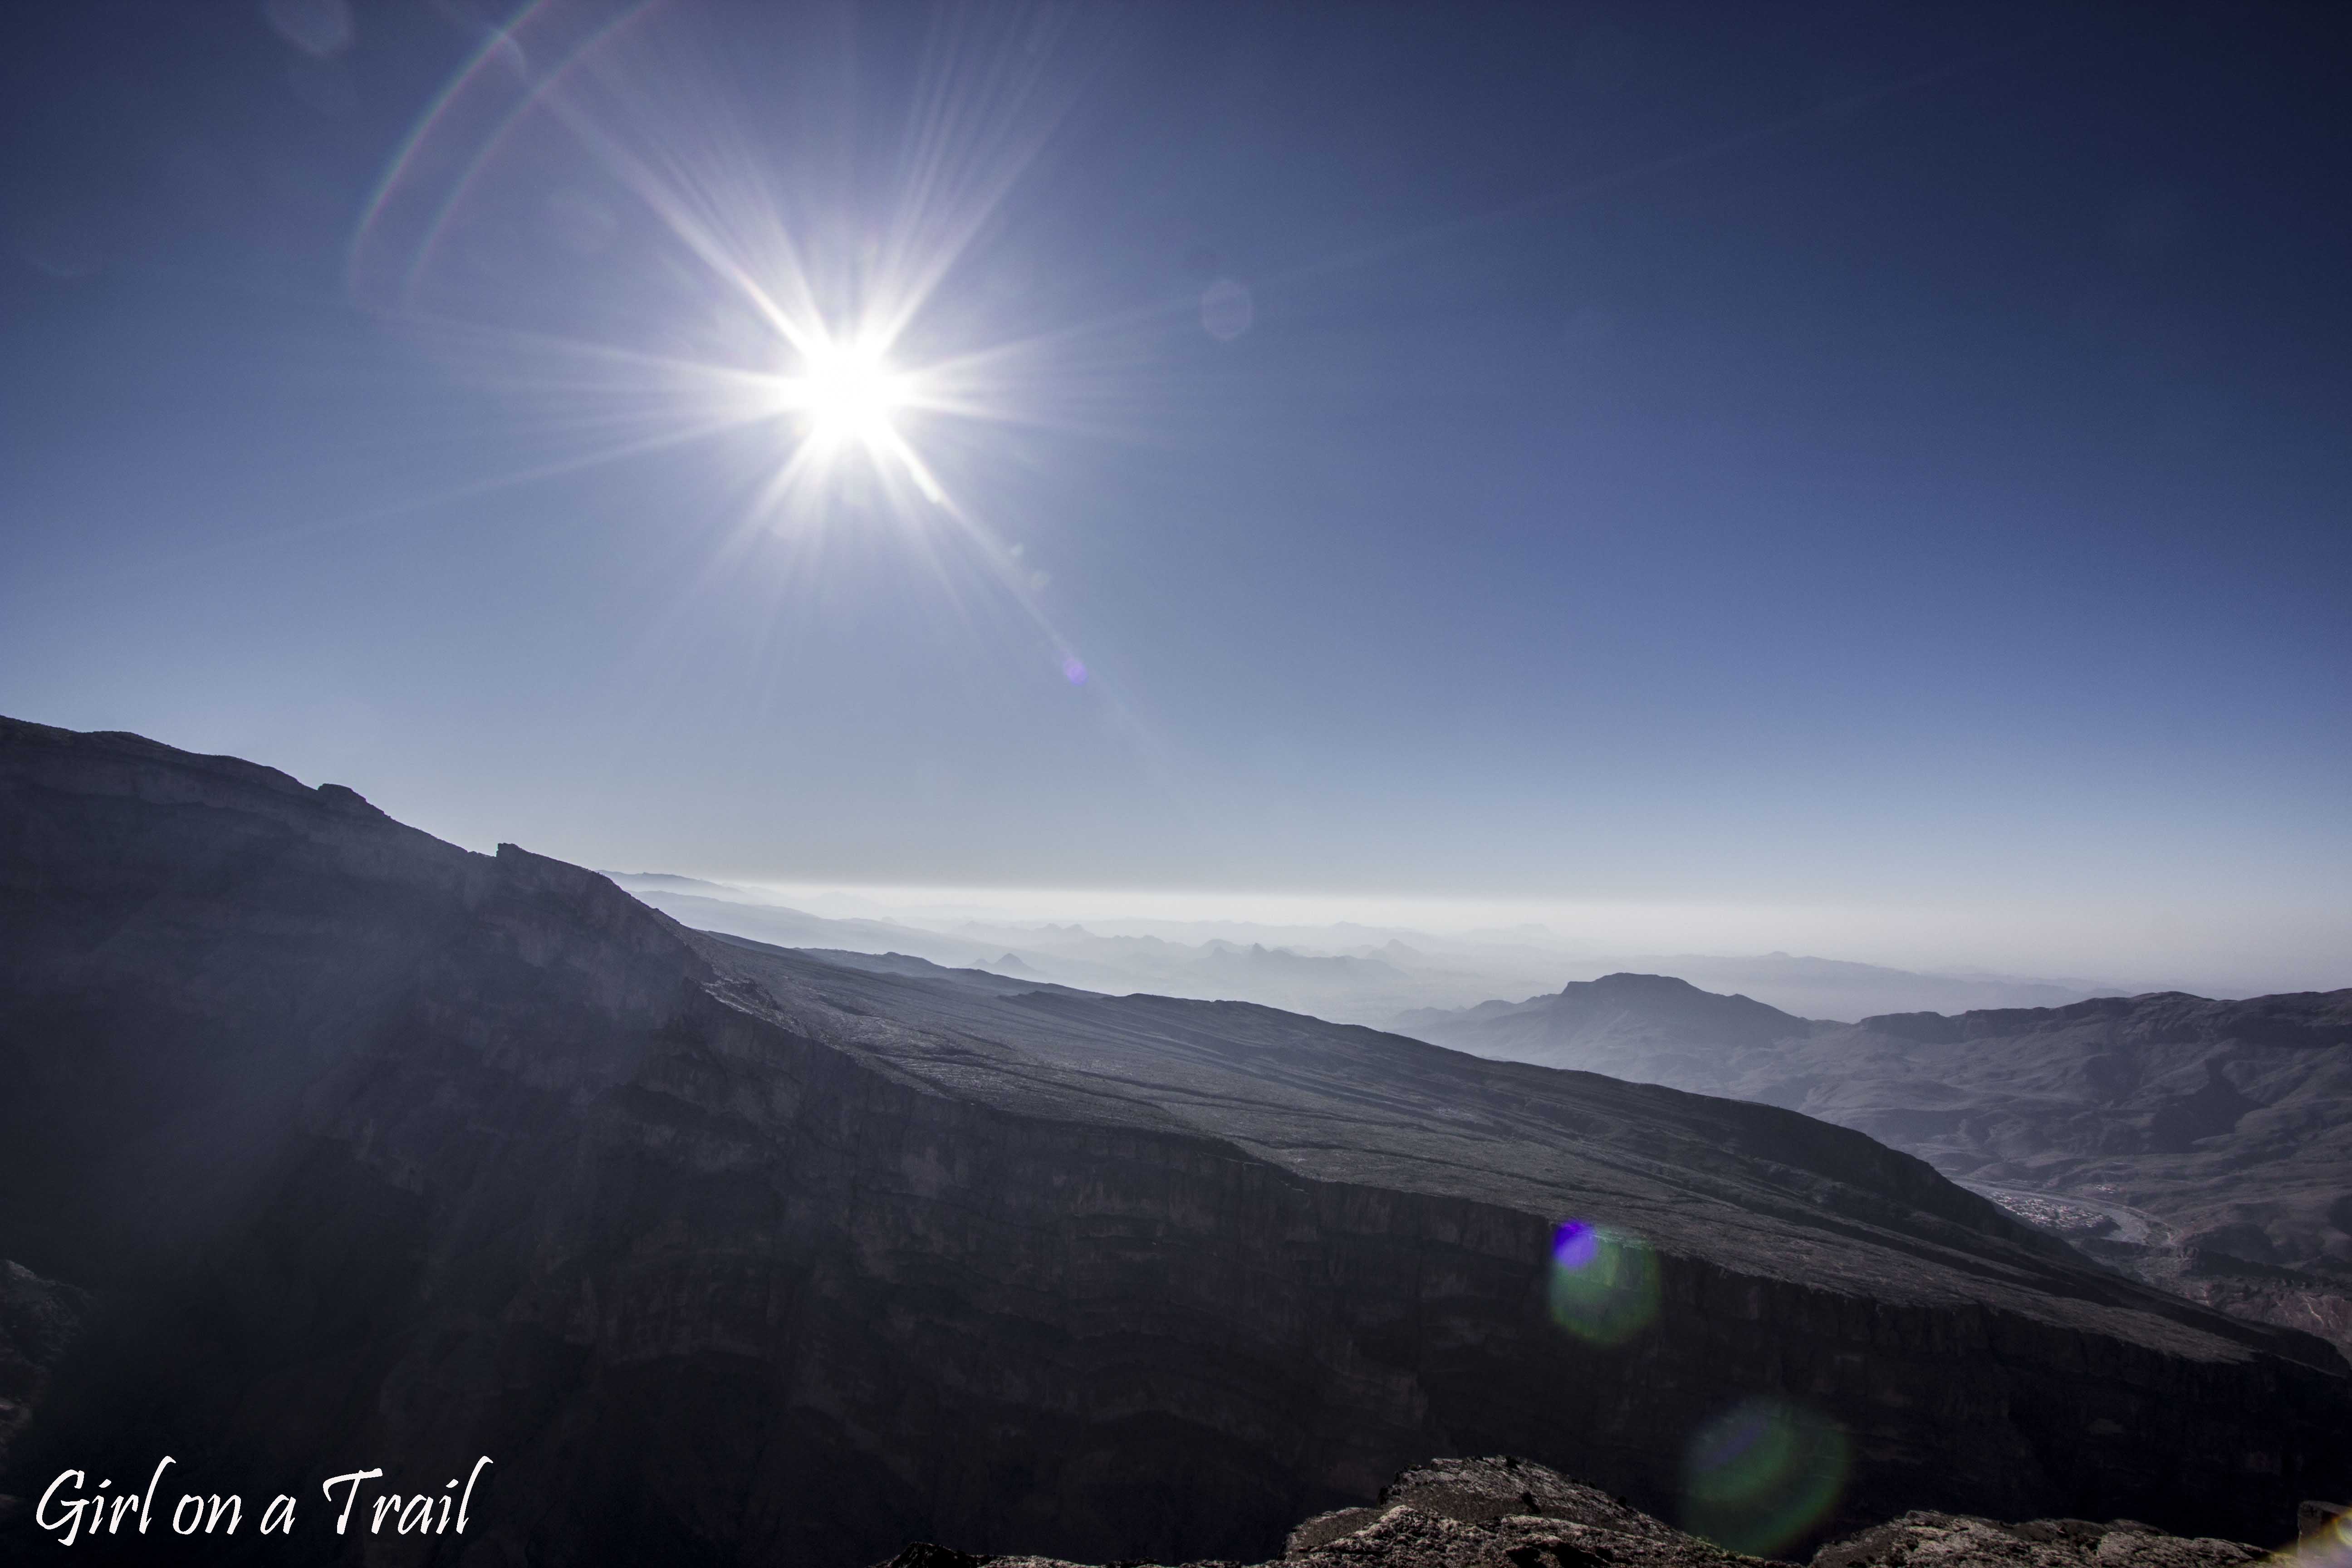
39	1321
1512	1513
2206	1145
380	1152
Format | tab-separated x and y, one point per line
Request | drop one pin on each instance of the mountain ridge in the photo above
380	1146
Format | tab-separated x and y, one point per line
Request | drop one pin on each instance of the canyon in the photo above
344	1145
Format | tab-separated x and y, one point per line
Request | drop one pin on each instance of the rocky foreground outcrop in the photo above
39	1321
1506	1512
376	1151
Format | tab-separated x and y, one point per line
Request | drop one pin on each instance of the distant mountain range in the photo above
2244	1222
2207	1145
1349	973
326	1144
1835	988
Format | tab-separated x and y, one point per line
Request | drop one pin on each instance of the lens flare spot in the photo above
1073	671
1604	1287
1761	1474
2324	1543
1226	309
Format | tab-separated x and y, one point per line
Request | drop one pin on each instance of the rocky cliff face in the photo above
2205	1146
382	1152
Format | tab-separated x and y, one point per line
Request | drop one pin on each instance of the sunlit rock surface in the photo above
380	1152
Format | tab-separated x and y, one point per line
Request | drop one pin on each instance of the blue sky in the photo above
1886	462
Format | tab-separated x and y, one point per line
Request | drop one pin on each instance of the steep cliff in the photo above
383	1152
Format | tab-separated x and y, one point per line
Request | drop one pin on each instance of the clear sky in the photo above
1886	462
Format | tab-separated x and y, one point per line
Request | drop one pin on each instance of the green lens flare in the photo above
1761	1474
1604	1284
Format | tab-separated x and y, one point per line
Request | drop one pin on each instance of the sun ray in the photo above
853	350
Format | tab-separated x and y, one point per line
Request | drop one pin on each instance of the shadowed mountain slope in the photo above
372	1151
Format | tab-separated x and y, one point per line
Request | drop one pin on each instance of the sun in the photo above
843	396
847	393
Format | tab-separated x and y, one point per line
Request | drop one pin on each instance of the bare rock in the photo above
1512	1513
1925	1540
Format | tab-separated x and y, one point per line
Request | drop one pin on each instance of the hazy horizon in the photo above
1571	934
1698	480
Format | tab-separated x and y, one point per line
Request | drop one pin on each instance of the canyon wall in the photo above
372	1151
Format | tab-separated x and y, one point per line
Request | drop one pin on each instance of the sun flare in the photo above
847	393
826	321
